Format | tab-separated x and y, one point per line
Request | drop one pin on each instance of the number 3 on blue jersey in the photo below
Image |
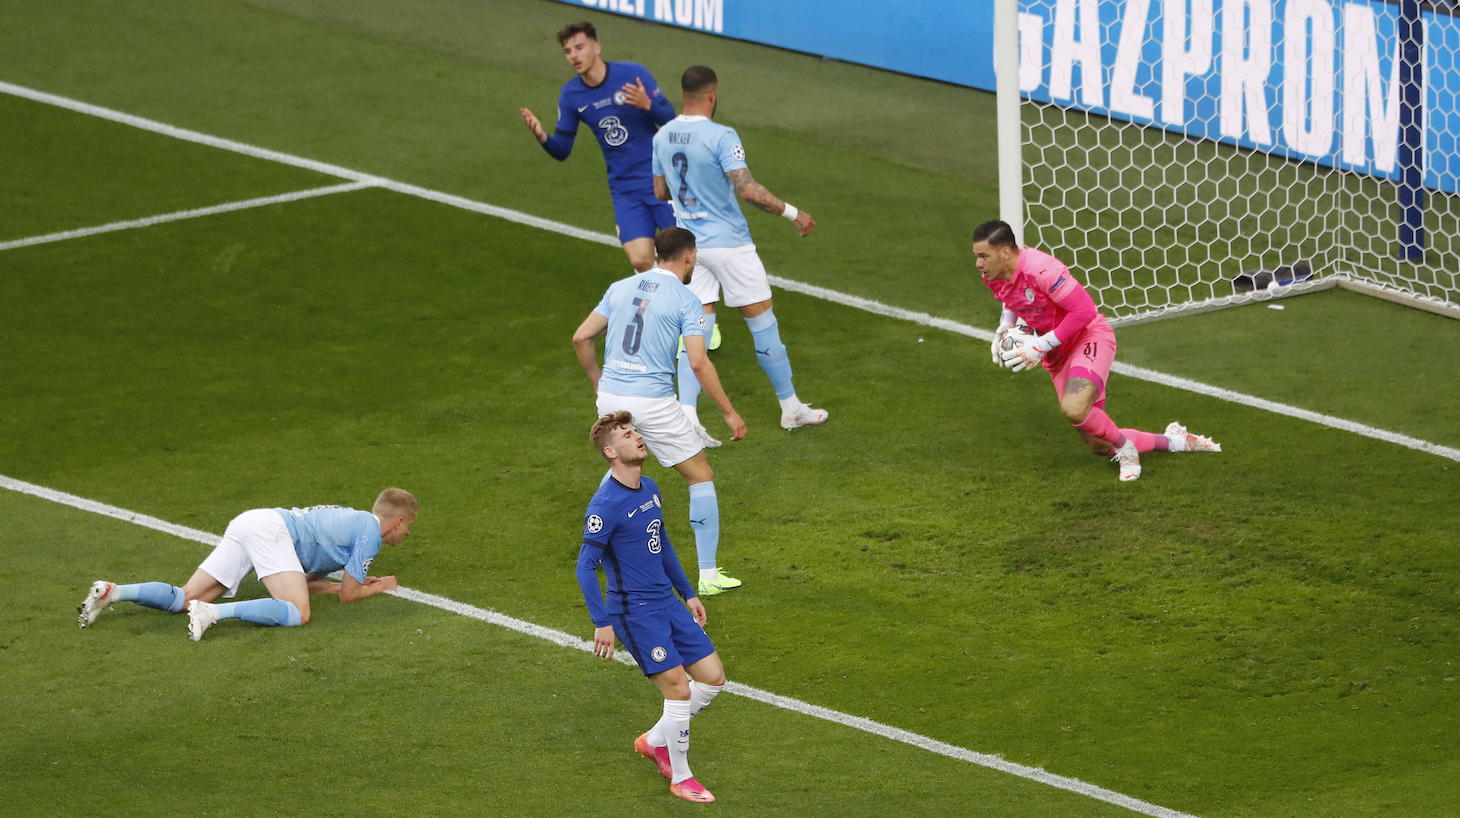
634	332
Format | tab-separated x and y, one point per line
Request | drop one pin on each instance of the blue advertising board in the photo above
1310	80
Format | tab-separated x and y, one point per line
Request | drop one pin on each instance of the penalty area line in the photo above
568	640
812	290
230	207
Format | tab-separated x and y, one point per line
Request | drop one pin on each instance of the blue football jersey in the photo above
623	530
625	133
646	313
330	538
693	154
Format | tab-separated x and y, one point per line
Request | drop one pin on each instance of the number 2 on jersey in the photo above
681	164
634	332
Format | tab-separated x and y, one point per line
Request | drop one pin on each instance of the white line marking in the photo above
784	283
184	214
568	640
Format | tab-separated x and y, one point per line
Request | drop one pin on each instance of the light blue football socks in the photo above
158	596
704	518
689	385
771	353
262	612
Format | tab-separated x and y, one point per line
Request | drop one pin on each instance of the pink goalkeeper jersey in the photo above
1046	295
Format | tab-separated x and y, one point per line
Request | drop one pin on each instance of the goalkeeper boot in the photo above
714	581
714	339
201	616
1184	441
98	599
659	755
805	416
692	790
1130	461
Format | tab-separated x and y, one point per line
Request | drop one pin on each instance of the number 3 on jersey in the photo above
634	332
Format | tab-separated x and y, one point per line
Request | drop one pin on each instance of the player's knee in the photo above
303	614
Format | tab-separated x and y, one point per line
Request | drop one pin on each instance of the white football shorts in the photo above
737	270
255	541
667	432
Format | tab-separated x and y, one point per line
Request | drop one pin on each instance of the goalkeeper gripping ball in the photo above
1015	337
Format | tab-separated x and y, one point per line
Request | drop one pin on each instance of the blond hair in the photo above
394	503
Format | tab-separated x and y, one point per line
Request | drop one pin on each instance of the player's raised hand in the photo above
737	426
636	94
697	610
533	125
603	641
804	221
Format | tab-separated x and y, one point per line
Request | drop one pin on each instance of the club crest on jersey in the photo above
738	152
595	524
656	501
659	654
1029	294
619	98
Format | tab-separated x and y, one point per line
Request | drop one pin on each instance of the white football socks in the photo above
700	696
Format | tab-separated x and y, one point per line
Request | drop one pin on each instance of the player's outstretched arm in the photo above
592	327
534	125
757	194
352	591
709	378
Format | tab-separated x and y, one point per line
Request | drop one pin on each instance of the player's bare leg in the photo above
640	252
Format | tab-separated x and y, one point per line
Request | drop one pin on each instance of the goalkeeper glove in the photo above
1030	354
1006	320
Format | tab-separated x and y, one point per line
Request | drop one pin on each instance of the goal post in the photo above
1187	155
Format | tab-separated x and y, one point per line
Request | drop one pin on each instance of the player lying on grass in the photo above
1075	345
623	531
291	550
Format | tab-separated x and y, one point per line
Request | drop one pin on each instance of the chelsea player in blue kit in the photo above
643	318
622	106
291	551
623	532
700	166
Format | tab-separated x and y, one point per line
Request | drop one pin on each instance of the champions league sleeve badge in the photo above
595	524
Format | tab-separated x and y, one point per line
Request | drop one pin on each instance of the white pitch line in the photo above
179	215
568	640
784	283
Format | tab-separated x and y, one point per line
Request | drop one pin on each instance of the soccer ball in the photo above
1015	337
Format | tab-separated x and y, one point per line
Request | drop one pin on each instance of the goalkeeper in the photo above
1075	345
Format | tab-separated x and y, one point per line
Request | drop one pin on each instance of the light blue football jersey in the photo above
330	538
693	154
646	315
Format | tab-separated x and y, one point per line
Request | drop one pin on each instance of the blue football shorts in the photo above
662	639
639	215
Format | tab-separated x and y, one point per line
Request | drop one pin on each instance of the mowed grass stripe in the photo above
784	283
568	640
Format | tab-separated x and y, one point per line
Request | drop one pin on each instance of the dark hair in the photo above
572	30
996	234
673	242
698	79
603	429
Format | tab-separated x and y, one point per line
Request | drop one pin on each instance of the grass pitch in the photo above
1268	631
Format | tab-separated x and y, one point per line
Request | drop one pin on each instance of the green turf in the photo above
1235	634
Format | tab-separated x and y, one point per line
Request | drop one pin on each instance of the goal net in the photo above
1192	154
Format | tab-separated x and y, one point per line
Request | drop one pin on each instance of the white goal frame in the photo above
1162	220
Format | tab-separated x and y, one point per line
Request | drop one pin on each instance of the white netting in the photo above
1270	160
